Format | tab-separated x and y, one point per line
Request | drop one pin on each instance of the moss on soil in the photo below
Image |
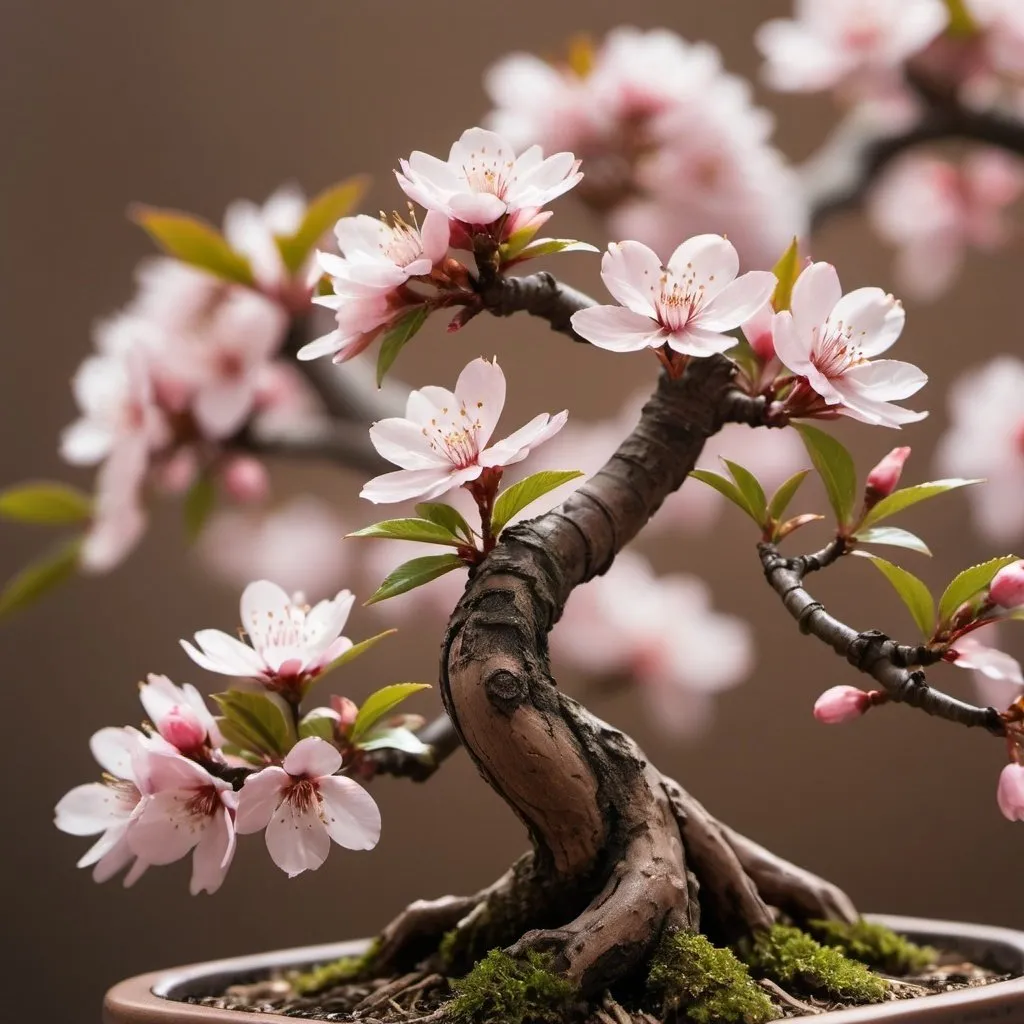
337	972
875	945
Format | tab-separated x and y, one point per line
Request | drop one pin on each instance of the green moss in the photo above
875	945
691	977
337	972
794	960
502	990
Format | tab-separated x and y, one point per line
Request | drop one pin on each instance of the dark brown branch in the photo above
871	652
540	295
439	735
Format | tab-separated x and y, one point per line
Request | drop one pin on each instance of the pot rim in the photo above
151	998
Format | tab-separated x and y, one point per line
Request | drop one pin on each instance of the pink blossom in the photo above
687	305
1003	24
179	714
110	807
376	259
841	704
932	210
1007	586
885	477
303	805
119	518
442	441
985	439
483	180
245	479
291	642
859	43
758	332
997	675
660	632
828	340
188	810
1010	792
295	544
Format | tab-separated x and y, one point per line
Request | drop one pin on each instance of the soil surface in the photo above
418	998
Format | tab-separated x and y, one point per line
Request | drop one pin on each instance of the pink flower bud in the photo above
181	728
758	332
245	479
1007	587
841	704
882	480
1010	792
346	711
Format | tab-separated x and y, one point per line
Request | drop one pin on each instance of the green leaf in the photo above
526	492
751	490
397	337
258	719
41	576
414	574
894	537
318	722
199	503
968	583
382	703
549	246
835	467
323	212
45	502
907	496
422	530
193	241
786	271
961	24
914	594
356	649
785	494
727	488
444	515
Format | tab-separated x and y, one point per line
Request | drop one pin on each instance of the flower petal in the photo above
477	208
481	391
517	445
223	654
297	839
258	799
617	329
792	347
815	294
405	444
351	815
738	301
632	274
165	830
407	483
708	261
312	757
89	809
695	341
213	855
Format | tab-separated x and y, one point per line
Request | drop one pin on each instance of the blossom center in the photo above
203	802
404	246
456	439
835	351
304	794
484	174
679	302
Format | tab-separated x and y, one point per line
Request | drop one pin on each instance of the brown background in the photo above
192	103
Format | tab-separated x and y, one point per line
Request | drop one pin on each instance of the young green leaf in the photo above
549	246
414	574
318	722
526	492
907	496
193	241
422	530
355	650
45	502
894	537
912	591
200	501
444	515
397	337
968	583
323	212
786	271
751	490
258	719
785	494
835	467
41	576
382	703
725	487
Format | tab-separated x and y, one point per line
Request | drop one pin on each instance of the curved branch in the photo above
540	295
873	653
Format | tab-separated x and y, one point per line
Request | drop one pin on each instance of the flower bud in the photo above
346	711
1010	792
182	729
841	704
758	332
1007	587
882	480
245	479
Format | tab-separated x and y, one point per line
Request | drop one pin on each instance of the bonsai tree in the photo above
630	884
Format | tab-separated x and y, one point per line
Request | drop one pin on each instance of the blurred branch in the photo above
439	735
890	664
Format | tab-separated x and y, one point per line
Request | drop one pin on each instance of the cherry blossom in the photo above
687	305
997	675
483	180
1010	792
442	441
119	517
377	259
985	439
291	642
187	809
110	807
660	632
885	477
828	339
856	43
1003	24
303	805
841	704
932	210
179	714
